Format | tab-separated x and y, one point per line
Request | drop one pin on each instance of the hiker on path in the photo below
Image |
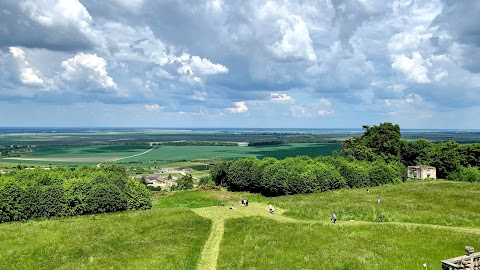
334	217
271	208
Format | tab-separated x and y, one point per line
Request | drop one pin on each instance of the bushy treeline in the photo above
299	175
452	160
40	193
377	157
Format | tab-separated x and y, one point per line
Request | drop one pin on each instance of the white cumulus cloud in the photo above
153	108
26	74
293	42
241	107
414	68
279	97
320	108
89	69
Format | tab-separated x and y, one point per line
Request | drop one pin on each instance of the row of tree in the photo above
272	177
40	193
452	160
377	157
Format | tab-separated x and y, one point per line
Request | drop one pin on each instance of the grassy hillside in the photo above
167	239
428	202
425	222
256	243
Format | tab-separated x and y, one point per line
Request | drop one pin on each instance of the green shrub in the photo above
184	183
466	174
104	198
39	193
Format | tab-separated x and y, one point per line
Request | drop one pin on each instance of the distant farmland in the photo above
167	154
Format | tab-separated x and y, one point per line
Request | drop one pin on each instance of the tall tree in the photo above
382	140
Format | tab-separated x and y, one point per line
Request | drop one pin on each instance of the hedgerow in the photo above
40	193
300	175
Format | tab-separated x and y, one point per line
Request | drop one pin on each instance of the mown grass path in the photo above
218	215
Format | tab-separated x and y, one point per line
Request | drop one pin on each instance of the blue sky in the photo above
312	64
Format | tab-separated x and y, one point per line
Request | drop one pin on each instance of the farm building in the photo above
156	180
422	172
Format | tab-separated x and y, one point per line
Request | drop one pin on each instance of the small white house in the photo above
422	172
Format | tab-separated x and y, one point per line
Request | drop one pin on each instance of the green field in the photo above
425	222
101	151
162	155
168	154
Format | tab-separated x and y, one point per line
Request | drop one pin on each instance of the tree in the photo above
184	183
415	152
446	158
52	201
206	181
243	174
380	173
219	173
470	155
466	174
11	203
137	195
382	140
104	198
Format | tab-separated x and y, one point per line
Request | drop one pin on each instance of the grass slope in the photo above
258	243
167	239
430	202
425	222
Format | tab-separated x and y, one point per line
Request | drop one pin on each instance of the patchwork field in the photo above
168	154
93	154
425	222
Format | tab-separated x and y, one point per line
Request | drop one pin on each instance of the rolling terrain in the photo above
425	222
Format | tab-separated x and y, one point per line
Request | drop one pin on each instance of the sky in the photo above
240	63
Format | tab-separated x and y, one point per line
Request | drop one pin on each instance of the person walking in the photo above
271	208
334	217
